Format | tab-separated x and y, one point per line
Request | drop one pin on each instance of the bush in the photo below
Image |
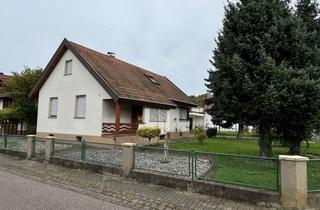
200	134
212	132
148	132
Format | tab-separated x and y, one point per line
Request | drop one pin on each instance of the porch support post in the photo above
117	120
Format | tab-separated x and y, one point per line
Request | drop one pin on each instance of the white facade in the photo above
1	103
66	88
172	123
100	108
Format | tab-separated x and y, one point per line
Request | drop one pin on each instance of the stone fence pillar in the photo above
49	147
294	192
128	158
30	146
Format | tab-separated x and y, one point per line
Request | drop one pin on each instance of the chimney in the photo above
111	54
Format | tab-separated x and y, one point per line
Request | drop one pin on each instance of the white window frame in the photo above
78	115
66	72
51	114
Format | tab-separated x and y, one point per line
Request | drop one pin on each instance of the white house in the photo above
88	94
200	118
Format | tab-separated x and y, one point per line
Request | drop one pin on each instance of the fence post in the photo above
49	147
5	141
192	164
30	146
83	150
294	192
128	158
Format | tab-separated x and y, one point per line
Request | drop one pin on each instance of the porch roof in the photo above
123	81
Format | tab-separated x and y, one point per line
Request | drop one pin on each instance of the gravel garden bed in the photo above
177	165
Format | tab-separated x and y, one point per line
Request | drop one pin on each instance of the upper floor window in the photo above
68	67
80	111
53	107
158	115
183	114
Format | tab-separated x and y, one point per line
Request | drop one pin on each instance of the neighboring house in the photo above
197	118
200	118
8	127
83	93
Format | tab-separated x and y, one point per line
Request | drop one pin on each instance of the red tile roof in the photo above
123	81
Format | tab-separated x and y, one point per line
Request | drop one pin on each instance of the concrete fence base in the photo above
293	193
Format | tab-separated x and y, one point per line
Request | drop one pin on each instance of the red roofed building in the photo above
89	94
8	127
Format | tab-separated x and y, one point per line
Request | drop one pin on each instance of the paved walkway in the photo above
102	187
20	193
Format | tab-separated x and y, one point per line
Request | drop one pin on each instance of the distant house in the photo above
199	117
7	126
83	93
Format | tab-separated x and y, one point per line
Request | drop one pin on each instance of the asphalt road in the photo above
20	193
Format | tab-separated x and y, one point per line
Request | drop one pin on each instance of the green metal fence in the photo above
313	170
1	142
13	142
99	153
103	154
178	162
250	171
68	149
39	146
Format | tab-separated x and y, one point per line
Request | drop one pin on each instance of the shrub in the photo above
148	132
200	134
212	132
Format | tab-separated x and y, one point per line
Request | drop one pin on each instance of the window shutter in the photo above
158	115
153	115
81	106
68	67
53	107
183	114
162	115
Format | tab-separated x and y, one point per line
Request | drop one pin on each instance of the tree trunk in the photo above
294	147
240	131
265	141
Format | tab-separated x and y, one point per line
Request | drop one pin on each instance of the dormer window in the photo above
152	79
68	67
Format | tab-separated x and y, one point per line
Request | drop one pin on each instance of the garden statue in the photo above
165	152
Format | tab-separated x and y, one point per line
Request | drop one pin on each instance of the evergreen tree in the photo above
263	73
299	91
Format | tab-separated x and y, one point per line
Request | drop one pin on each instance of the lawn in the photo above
252	171
245	146
314	175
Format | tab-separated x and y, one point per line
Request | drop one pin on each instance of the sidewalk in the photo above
114	189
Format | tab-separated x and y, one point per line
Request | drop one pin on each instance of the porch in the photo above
120	118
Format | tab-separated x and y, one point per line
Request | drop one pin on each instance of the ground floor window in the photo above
158	115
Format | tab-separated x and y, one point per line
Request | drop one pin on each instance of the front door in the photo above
190	124
136	114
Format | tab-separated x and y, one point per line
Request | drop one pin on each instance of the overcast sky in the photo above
174	38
